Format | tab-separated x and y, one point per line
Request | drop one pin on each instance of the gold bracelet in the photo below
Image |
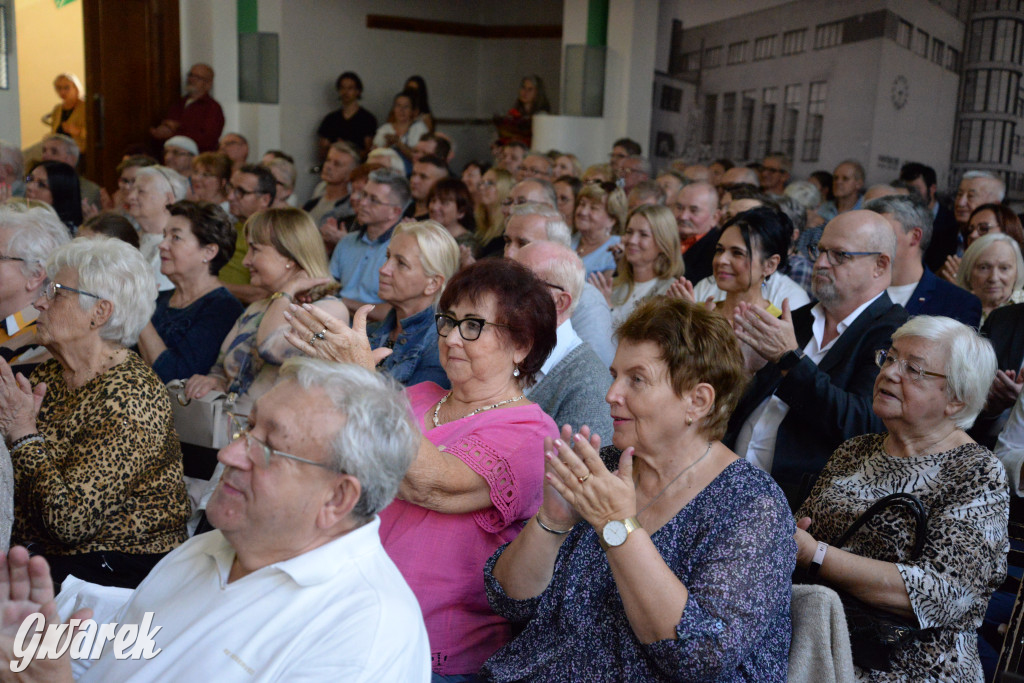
277	295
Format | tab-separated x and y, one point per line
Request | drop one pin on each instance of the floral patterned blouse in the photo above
965	493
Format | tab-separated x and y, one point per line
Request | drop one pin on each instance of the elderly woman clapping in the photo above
993	271
932	383
98	473
478	474
676	566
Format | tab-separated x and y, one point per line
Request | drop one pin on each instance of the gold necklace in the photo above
444	399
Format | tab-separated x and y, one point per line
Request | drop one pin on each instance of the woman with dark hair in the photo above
567	189
677	565
451	205
110	224
56	183
479	471
351	122
184	335
754	244
517	124
472	174
987	219
416	85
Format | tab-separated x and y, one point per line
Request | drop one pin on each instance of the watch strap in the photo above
789	359
631	524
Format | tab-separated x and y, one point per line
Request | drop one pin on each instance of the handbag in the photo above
204	421
877	635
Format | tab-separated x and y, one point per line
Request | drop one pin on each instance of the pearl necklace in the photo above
437	410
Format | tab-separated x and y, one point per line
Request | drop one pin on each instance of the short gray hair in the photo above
33	234
169	180
909	210
69	144
564	268
554	226
396	183
973	253
970	365
376	438
1000	185
117	272
804	192
545	185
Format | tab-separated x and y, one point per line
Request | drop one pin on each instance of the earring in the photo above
689	421
206	260
287	265
515	371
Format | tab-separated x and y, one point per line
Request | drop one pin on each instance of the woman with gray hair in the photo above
932	384
993	270
155	188
27	237
97	465
421	258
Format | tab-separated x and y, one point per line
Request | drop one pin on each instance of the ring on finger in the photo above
583	479
321	334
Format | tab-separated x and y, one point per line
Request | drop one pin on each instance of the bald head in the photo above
535	190
854	263
740	174
556	265
879	191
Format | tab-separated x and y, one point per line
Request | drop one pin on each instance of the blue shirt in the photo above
599	260
415	356
193	334
355	263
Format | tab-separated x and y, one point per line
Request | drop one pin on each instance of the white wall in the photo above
10	112
466	77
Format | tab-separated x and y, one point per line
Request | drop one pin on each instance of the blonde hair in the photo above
613	199
293	234
669	263
490	224
439	252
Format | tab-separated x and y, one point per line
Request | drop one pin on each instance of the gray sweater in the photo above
573	392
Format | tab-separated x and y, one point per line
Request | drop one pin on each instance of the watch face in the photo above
614	533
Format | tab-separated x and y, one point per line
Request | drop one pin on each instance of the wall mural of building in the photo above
880	81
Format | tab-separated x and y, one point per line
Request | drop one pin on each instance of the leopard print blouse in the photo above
108	476
965	493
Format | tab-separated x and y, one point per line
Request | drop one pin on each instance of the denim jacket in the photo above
415	355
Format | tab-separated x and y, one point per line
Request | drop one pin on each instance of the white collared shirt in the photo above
341	611
756	440
567	340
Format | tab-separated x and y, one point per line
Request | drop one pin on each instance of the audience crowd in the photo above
520	420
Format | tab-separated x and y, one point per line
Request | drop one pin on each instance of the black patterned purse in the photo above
877	635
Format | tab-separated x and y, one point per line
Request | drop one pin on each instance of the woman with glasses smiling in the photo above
932	382
97	465
479	471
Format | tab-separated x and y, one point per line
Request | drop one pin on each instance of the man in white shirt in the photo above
814	392
294	583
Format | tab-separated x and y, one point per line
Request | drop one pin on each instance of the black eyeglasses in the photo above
11	258
837	257
552	285
52	289
469	328
241	191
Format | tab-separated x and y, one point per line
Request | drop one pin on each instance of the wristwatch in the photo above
789	359
616	531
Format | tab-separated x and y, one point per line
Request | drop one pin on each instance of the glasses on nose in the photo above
11	258
837	257
52	289
469	328
238	428
370	199
240	191
986	228
906	368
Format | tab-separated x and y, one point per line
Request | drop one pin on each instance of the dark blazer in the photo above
1004	328
697	258
945	239
828	403
935	296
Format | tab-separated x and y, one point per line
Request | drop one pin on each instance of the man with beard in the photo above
815	389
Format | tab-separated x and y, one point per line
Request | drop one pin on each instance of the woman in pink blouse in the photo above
479	471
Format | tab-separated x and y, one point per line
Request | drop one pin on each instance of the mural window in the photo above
816	96
710	110
728	125
793	41
737	53
769	101
764	48
790	118
746	130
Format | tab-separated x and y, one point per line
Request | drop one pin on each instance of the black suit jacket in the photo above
935	296
945	239
1004	328
828	403
697	258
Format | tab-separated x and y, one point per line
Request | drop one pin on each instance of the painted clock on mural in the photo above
900	91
